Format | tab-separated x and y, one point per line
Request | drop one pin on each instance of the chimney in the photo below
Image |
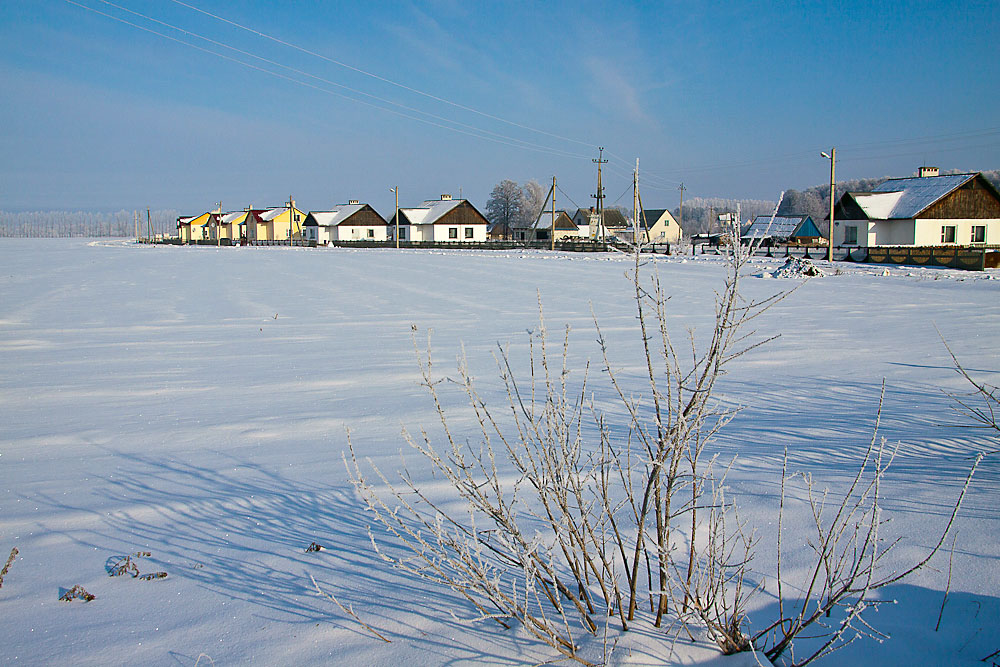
445	197
928	171
352	202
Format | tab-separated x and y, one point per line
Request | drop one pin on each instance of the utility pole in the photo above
291	217
681	216
135	219
395	191
149	225
552	234
635	203
832	157
600	191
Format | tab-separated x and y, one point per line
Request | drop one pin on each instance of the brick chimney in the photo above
445	197
928	171
353	201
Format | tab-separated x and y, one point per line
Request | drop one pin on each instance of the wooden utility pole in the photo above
680	221
833	165
635	203
135	219
291	217
395	191
552	232
149	225
600	191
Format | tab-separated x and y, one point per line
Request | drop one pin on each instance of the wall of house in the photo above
360	233
665	231
440	233
929	230
895	232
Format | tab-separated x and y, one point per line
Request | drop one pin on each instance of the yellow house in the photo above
230	225
275	224
196	228
661	226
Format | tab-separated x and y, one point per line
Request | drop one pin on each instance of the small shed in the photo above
782	229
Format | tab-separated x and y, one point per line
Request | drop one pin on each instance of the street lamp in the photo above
832	157
395	191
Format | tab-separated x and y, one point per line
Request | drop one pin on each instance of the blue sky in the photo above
734	99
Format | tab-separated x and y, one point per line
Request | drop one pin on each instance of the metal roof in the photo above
763	227
336	215
915	194
430	211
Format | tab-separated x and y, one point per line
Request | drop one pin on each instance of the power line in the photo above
512	141
472	130
379	77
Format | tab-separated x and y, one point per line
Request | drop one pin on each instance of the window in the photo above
468	233
947	233
402	233
371	233
979	233
453	232
851	235
297	217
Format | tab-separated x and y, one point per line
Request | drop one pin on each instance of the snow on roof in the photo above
914	194
273	213
234	217
782	227
336	215
877	205
430	211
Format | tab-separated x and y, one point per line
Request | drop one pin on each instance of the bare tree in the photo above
506	205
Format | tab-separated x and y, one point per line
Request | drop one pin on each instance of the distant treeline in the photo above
701	214
52	224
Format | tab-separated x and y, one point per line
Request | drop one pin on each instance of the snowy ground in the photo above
192	402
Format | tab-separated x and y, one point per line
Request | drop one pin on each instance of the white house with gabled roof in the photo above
925	210
442	220
352	221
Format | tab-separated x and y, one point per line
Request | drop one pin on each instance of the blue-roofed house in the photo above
925	210
782	229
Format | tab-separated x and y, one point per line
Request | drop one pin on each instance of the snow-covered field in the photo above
192	402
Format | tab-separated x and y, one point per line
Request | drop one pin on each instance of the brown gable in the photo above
463	214
365	217
977	199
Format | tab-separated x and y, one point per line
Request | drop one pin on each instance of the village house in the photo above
442	220
660	226
541	229
925	210
586	221
798	229
275	224
352	221
195	227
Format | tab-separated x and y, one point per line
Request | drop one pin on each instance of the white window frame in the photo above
949	231
982	235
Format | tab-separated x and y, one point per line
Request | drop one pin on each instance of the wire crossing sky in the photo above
181	104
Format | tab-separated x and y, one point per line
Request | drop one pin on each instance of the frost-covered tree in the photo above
532	199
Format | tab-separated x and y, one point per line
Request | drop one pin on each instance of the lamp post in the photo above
832	157
395	191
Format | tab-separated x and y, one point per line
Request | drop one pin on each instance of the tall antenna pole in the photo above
600	191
